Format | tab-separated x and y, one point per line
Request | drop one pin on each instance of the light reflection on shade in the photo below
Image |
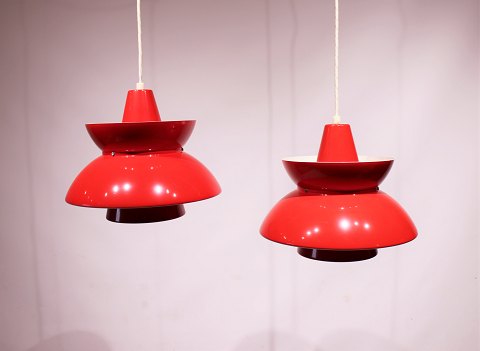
315	230
366	226
344	224
157	189
127	186
115	188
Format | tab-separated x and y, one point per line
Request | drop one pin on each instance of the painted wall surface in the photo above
257	75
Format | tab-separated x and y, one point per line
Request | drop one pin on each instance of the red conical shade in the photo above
337	144
337	213
143	174
140	107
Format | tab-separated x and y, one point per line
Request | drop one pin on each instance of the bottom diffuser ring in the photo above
145	214
337	255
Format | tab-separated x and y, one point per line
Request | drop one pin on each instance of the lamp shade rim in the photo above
141	136
141	122
361	159
214	194
337	248
337	176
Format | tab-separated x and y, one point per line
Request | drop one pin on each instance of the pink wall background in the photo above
258	77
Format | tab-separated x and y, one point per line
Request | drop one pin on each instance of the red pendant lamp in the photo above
143	174
337	213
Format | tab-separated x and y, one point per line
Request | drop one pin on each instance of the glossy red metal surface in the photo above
140	106
145	214
340	176
142	180
337	255
140	137
337	144
337	213
338	221
143	175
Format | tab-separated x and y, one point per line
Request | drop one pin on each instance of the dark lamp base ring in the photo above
337	255
145	214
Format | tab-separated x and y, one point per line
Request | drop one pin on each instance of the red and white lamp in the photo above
143	174
337	213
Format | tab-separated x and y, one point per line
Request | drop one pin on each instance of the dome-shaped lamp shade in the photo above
143	174
337	212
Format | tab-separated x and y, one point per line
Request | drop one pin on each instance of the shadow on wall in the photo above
358	340
274	341
72	341
344	340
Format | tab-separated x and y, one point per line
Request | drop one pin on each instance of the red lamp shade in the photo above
337	212
143	174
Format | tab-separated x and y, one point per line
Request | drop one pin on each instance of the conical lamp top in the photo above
337	144
141	107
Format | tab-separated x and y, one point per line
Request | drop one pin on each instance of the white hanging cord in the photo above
140	84
336	117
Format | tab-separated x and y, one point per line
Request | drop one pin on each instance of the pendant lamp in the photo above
337	213
143	174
